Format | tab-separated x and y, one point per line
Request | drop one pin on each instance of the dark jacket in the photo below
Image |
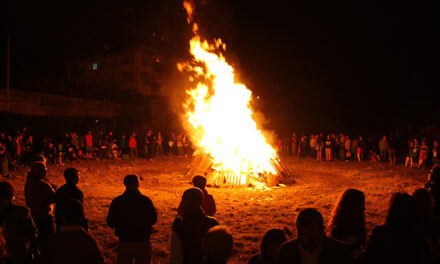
393	246
132	215
208	205
191	231
39	194
19	231
71	245
64	193
331	252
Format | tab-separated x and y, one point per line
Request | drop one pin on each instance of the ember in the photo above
221	122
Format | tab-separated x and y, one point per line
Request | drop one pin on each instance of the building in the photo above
135	70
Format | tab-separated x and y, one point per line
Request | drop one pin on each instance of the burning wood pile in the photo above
220	122
217	175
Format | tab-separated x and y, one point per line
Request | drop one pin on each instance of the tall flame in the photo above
218	110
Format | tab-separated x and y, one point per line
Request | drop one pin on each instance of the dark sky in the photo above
351	65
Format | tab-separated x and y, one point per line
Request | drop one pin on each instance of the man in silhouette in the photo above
132	215
312	245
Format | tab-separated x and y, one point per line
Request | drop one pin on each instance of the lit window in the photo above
95	66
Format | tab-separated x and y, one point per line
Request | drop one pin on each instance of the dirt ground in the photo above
248	212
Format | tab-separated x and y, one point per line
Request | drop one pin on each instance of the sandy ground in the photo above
248	212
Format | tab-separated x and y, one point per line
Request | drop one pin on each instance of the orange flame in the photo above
218	110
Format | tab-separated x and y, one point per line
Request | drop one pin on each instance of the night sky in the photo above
316	65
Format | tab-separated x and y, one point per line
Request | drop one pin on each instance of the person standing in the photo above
190	229
435	153
40	197
132	145
18	227
328	148
132	215
423	155
294	142
67	192
71	244
383	148
159	142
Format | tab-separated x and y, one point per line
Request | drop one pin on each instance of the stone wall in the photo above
40	104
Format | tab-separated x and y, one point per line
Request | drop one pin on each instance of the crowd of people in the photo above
28	234
413	151
17	150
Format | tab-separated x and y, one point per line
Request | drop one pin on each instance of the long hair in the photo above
402	212
348	217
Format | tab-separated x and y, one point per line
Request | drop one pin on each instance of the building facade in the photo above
135	70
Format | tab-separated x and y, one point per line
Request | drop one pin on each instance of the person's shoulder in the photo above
333	243
62	189
211	221
286	246
256	259
20	209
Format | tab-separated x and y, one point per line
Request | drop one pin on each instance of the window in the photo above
127	77
95	66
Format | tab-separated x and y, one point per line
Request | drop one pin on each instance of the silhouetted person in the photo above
347	222
132	214
40	196
426	222
312	245
217	245
71	244
18	227
190	229
270	247
208	203
68	191
398	241
433	186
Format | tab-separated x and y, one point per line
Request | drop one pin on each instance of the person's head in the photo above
423	201
6	194
38	169
310	229
348	213
90	132
50	145
402	212
271	243
217	244
71	176
384	137
71	212
199	182
131	182
192	199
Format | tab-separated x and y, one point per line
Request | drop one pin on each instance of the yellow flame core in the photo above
218	109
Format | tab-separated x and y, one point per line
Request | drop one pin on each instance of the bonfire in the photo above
220	121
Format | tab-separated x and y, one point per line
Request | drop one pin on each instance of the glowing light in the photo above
218	110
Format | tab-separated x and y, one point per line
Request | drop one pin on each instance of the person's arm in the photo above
94	254
112	216
176	251
151	211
